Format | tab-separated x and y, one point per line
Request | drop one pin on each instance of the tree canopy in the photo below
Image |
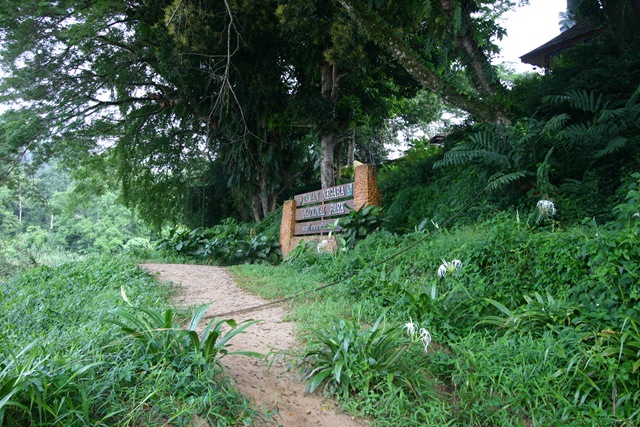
238	100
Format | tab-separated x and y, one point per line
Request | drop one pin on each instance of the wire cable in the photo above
352	276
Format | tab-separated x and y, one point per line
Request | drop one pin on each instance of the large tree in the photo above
341	78
171	89
169	84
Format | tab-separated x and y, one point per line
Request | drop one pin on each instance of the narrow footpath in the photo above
272	384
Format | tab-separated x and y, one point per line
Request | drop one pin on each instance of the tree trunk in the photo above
479	62
330	86
272	206
264	195
255	206
327	146
351	150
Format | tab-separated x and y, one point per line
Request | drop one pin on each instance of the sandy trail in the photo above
269	387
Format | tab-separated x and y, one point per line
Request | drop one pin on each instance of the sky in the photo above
529	27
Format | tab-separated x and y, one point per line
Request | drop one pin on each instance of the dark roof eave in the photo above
581	31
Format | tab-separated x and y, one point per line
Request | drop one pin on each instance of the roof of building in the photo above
582	30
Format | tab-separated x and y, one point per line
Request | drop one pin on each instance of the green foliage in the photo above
21	254
305	254
414	193
579	157
62	364
9	222
623	346
538	325
534	317
54	392
55	215
357	224
162	339
346	359
97	225
509	153
226	243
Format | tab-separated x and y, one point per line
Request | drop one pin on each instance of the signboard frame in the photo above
314	216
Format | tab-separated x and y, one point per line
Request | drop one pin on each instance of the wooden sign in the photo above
321	211
332	193
315	227
313	206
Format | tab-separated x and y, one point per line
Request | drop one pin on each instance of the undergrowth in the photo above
91	343
532	323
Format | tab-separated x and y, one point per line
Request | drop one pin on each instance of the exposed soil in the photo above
271	383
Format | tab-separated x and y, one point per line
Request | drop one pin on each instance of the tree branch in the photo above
379	32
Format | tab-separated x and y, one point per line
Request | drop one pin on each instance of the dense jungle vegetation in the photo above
498	285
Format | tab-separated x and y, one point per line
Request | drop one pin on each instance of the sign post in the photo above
314	214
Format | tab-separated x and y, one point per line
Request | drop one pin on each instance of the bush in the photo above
62	364
531	303
227	243
412	192
358	224
345	359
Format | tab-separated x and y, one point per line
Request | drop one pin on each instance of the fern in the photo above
614	145
489	157
482	147
555	99
608	115
500	180
633	99
506	151
488	140
556	123
571	186
573	134
542	175
586	101
580	100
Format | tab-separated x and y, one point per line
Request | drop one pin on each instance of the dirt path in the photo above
271	387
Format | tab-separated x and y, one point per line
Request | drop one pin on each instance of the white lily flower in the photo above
442	270
322	245
546	208
410	328
449	267
425	337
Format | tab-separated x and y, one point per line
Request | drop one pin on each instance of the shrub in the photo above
226	243
359	223
62	364
162	339
346	359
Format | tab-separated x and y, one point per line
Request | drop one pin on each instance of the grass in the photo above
310	310
63	363
536	329
15	258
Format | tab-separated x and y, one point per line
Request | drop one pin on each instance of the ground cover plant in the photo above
92	343
227	243
531	323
